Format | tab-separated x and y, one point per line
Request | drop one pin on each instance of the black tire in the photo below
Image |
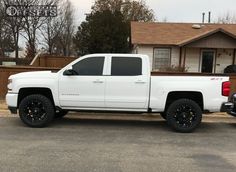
60	114
163	115
184	115
36	110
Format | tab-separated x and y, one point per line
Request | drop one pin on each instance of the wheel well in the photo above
195	96
29	91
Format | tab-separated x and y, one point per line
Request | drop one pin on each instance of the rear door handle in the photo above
140	82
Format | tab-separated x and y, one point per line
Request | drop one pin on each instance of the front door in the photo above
86	88
207	61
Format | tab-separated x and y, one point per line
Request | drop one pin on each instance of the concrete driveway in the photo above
76	143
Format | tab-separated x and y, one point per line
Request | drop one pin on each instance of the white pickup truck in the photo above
115	82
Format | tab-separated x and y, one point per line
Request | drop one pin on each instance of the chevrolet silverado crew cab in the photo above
115	82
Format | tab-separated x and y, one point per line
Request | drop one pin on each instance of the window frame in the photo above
103	68
110	65
153	59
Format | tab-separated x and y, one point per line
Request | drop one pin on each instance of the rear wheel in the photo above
184	115
36	110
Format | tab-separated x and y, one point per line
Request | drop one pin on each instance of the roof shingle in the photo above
174	33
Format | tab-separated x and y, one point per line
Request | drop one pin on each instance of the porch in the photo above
206	60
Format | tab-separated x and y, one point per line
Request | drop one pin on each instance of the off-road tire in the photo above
36	111
184	115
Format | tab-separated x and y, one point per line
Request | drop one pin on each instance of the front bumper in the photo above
11	99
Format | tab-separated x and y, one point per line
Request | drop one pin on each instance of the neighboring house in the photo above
21	53
208	48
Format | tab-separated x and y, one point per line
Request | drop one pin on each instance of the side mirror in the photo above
70	72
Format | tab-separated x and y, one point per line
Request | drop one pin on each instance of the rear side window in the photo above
89	66
126	66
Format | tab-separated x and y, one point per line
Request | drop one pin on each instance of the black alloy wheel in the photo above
36	110
184	115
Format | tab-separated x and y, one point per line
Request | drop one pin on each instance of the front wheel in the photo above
184	115
36	110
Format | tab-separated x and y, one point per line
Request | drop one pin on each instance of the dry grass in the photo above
3	105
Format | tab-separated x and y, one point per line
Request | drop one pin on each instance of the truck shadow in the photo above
133	122
108	123
157	125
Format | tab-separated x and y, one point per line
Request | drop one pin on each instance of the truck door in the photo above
85	88
127	87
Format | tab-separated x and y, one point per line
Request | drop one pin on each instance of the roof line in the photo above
198	37
220	24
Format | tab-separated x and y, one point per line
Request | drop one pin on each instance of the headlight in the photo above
9	86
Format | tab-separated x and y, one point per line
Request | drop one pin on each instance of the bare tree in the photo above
2	30
66	34
227	18
32	25
15	26
57	32
51	28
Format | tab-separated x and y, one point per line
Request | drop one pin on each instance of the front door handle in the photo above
98	82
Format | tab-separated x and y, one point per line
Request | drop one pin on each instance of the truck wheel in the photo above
36	110
184	115
61	113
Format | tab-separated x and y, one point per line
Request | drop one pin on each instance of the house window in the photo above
161	58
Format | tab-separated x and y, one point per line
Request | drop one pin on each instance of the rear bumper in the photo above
229	107
225	107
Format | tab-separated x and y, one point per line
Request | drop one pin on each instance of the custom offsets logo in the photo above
31	10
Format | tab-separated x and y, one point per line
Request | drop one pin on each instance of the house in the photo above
207	48
21	53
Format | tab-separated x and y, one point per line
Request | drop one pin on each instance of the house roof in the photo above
175	33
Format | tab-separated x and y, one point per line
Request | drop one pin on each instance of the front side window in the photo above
89	66
126	66
161	58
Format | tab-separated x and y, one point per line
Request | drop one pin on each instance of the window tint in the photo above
89	66
126	66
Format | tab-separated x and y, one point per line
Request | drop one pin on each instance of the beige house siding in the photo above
224	58
147	50
217	40
175	56
192	60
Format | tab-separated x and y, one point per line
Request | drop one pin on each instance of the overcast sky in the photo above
172	10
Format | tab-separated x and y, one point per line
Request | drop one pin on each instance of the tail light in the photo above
226	88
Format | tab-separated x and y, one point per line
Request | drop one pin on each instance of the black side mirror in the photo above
70	72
